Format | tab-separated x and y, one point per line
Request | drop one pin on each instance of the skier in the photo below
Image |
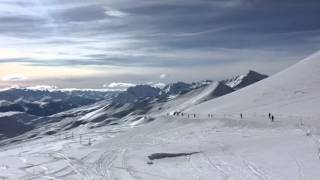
194	115
269	115
241	115
272	118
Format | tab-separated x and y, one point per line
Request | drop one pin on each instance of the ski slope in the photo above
292	92
250	149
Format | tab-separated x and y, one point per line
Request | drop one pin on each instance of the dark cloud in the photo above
152	33
82	14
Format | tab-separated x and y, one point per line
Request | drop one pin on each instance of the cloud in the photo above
14	78
162	76
80	14
157	85
43	87
115	13
159	36
119	85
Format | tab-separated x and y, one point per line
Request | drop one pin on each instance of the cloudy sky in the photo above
110	43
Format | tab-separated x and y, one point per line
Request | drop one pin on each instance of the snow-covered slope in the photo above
294	91
199	96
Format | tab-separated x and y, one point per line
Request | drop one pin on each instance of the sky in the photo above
118	43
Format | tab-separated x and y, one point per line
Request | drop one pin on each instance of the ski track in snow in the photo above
125	165
256	170
300	168
82	173
104	164
225	175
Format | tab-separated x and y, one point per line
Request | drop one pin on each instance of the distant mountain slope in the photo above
212	91
195	96
13	94
46	103
136	93
14	123
7	106
63	111
242	81
294	91
177	88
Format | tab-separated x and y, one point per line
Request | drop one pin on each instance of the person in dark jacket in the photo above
272	118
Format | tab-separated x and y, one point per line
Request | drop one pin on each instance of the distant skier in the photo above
269	115
194	115
272	118
241	115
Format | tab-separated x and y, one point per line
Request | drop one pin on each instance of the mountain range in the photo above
54	111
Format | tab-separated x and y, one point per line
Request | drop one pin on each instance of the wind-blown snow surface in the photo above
227	147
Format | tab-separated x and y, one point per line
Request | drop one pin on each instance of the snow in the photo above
235	81
230	147
93	115
5	103
7	114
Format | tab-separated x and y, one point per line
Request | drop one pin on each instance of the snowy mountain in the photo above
242	81
71	109
177	88
45	103
37	94
136	93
